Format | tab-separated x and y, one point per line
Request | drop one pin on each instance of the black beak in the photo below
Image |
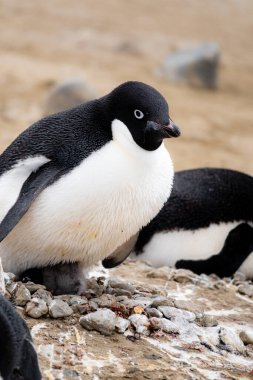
164	130
170	130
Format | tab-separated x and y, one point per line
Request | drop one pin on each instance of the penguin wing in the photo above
32	187
121	253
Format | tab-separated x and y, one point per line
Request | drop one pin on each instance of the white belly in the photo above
166	248
92	210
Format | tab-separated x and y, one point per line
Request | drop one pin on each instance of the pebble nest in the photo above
112	306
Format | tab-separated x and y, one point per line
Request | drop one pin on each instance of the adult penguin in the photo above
76	185
205	226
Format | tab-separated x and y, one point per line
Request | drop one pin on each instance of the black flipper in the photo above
31	188
121	253
238	245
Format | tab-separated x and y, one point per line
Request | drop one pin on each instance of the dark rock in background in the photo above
197	66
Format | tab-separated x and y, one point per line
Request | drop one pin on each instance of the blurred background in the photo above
96	45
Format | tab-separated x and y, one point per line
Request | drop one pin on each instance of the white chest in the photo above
97	206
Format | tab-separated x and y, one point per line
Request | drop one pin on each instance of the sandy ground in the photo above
110	42
107	43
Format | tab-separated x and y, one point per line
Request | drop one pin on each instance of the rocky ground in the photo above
142	323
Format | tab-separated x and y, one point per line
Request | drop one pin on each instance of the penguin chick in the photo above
78	184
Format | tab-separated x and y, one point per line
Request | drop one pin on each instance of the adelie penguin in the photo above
77	184
205	226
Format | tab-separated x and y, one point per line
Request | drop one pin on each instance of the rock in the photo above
121	325
163	273
115	283
162	301
246	336
36	308
197	66
103	321
34	287
106	300
153	312
207	321
186	305
164	325
68	94
77	301
141	301
22	295
44	295
119	292
230	338
10	287
93	305
2	283
94	288
184	276
172	312
238	277
140	323
246	289
59	309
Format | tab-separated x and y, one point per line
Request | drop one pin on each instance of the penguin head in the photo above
145	113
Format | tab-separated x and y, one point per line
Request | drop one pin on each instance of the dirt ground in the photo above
113	41
109	42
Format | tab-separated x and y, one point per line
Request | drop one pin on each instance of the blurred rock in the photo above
164	325
140	323
197	66
246	289
68	94
247	336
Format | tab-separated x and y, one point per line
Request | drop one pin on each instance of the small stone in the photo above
189	306
121	325
162	301
93	305
239	277
22	295
106	300
184	276
247	336
163	273
207	321
122	285
164	325
153	312
246	289
103	321
59	309
138	310
32	287
141	301
11	287
36	308
230	338
68	94
172	312
77	301
94	288
140	323
119	292
44	295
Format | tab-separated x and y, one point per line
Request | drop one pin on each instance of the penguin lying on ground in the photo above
76	185
206	225
18	358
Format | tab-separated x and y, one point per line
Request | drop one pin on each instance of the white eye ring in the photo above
138	114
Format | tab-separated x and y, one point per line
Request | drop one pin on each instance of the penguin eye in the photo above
138	114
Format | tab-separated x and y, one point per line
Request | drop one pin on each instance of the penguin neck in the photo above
124	140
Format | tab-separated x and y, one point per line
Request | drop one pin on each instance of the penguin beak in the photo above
164	130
